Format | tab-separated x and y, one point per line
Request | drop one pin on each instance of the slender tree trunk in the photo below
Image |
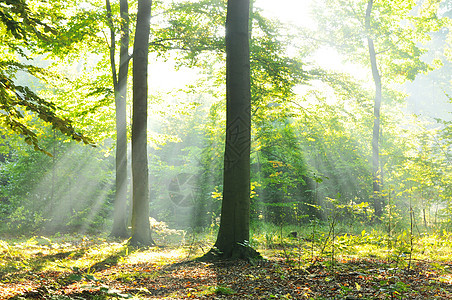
424	217
376	174
233	235
120	84
141	232
52	188
250	25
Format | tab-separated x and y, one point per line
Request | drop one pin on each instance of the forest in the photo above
226	149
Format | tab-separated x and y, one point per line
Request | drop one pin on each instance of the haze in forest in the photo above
225	148
321	149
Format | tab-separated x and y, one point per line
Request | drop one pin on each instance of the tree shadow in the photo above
30	269
109	261
36	263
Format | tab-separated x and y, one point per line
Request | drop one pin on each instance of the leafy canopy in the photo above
22	31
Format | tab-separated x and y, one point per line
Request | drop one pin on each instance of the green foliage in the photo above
189	29
23	30
311	126
218	290
69	191
15	99
21	22
310	150
397	28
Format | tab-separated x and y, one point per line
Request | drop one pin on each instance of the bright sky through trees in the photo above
298	13
287	170
293	11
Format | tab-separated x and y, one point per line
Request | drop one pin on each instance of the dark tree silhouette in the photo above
141	232
233	235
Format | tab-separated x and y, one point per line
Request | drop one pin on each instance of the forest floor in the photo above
100	269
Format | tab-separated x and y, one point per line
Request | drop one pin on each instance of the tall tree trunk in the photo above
120	85
141	233
376	174
233	235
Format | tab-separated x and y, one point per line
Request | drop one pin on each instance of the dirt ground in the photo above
267	279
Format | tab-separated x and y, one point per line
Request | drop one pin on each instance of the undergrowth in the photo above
91	261
299	246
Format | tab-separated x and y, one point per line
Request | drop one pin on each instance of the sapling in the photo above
314	222
333	223
411	234
389	223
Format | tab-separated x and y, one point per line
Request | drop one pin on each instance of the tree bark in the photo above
376	174
233	236
120	207
141	233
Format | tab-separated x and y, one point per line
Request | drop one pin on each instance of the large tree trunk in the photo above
120	208
141	232
233	235
376	174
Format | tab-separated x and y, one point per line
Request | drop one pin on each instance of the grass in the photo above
84	253
105	268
